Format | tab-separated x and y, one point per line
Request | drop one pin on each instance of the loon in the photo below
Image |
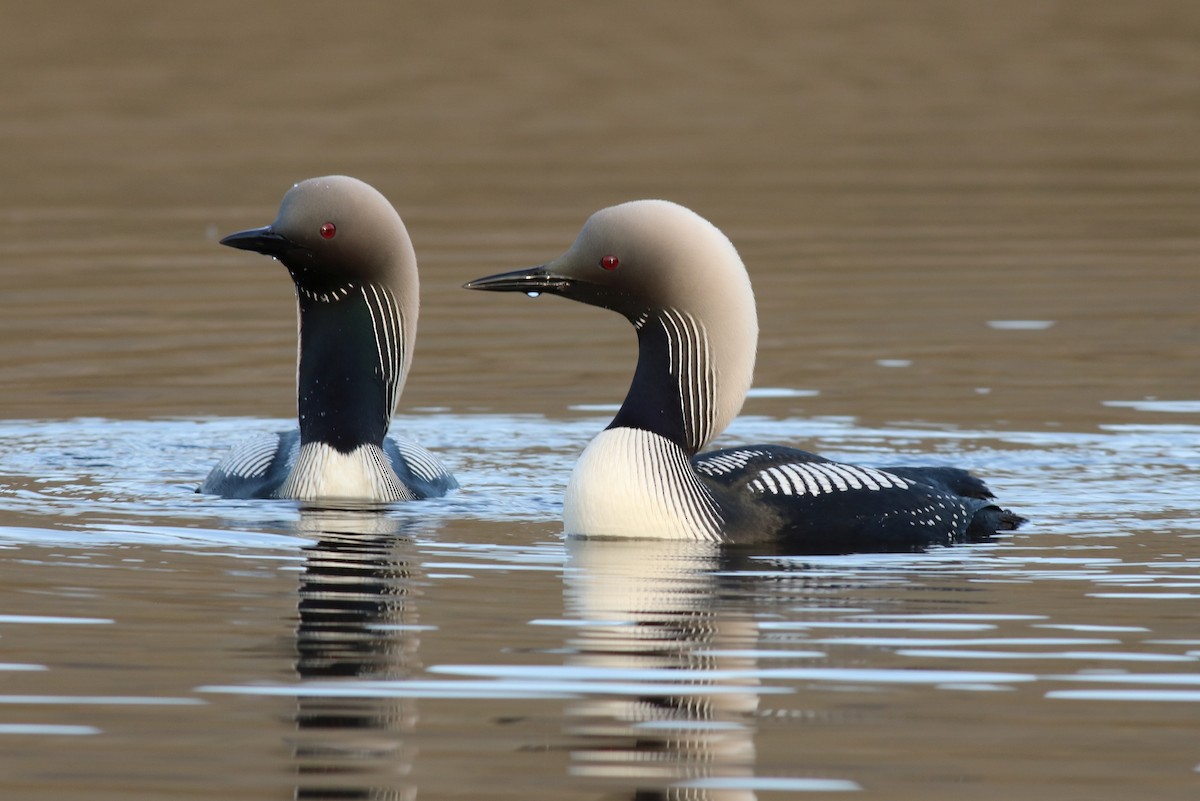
355	272
680	281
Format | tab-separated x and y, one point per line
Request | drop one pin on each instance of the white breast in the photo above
631	483
323	473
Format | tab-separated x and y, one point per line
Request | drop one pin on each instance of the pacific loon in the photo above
681	283
355	273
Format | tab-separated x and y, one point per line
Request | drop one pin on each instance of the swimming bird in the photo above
682	284
355	273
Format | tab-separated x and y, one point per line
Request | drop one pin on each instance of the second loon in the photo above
681	283
355	272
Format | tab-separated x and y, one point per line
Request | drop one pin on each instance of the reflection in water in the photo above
651	610
356	619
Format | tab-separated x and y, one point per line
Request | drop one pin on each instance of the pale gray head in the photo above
337	232
355	272
680	281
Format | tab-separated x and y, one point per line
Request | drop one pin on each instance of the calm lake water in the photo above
973	234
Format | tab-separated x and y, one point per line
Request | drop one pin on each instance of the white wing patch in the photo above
799	478
820	478
728	462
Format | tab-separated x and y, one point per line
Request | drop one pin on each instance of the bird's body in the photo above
682	285
355	273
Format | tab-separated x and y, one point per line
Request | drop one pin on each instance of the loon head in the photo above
335	234
355	272
680	281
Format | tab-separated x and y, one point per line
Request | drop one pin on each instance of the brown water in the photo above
972	229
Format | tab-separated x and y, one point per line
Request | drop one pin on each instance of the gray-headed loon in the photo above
681	283
355	272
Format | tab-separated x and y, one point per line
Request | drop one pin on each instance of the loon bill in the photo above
355	274
680	282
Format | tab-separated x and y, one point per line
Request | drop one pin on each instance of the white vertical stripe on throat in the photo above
689	360
387	324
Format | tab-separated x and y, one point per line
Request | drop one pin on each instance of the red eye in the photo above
610	262
328	230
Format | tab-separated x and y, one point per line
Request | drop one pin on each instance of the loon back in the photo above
682	285
786	494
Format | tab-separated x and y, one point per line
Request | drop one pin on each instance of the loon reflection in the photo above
654	606
356	619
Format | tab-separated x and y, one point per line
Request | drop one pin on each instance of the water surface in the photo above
972	234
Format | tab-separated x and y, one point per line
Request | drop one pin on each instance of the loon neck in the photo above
676	392
353	358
